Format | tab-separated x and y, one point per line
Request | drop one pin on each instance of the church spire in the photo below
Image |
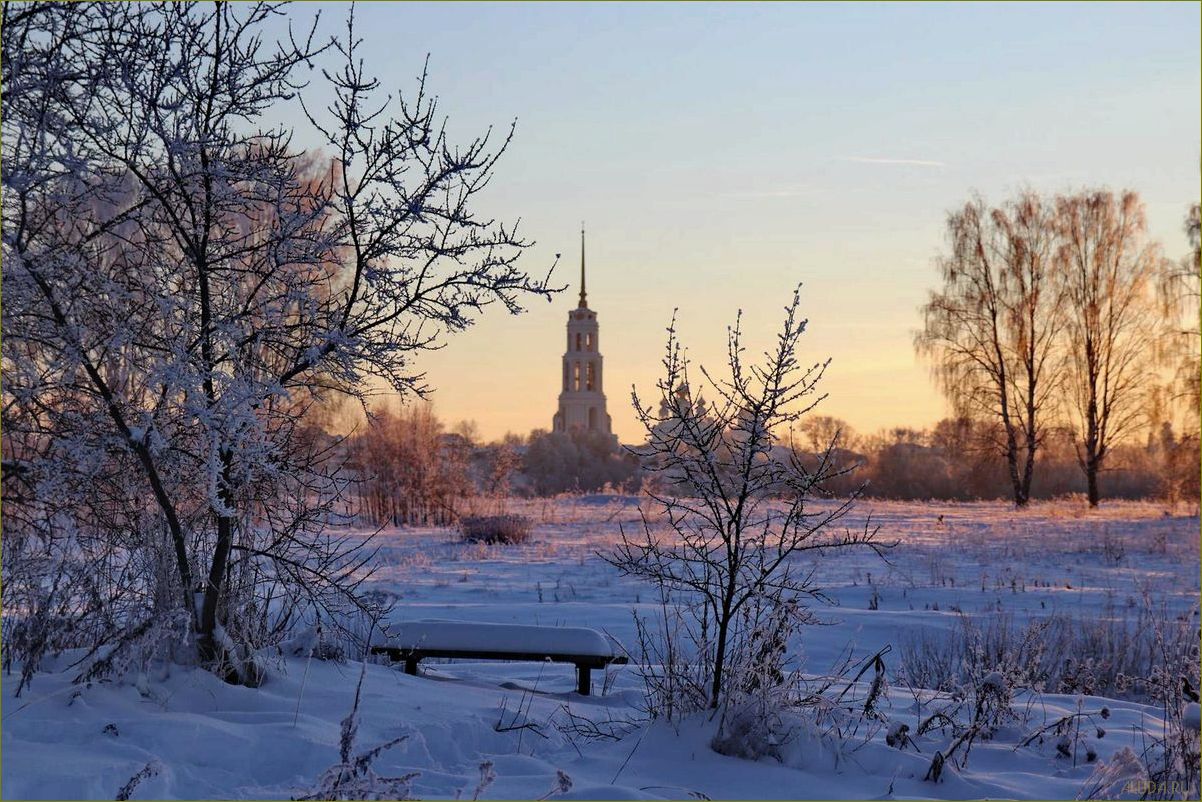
583	293
582	399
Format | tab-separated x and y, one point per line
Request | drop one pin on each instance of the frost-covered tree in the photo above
992	329
737	497
578	460
409	470
181	284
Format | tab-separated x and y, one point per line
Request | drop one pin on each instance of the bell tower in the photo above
581	400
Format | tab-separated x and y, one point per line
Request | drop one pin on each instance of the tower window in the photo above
576	377
588	341
591	376
577	341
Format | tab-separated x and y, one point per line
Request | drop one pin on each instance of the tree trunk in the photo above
1093	450
211	652
1016	482
1029	462
1028	473
1091	480
719	660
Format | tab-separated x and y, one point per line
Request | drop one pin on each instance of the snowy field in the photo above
984	563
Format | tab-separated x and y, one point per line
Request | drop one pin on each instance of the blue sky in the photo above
721	153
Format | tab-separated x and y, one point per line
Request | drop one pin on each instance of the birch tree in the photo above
1179	287
992	329
1107	265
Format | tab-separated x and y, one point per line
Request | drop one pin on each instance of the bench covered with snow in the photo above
587	649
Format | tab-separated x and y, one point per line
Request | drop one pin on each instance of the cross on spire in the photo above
583	293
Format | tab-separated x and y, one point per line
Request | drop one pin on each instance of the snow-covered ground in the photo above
211	740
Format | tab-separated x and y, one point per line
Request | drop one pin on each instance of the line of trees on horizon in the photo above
408	467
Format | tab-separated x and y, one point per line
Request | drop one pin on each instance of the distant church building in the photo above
582	403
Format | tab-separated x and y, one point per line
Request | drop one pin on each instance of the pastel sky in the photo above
722	153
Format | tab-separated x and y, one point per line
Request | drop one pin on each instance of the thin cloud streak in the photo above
783	192
910	162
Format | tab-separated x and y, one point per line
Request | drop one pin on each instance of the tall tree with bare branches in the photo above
1106	265
991	330
1180	291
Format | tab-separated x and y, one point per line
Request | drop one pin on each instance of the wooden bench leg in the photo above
411	666
584	674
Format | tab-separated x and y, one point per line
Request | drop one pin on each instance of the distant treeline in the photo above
409	468
958	459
